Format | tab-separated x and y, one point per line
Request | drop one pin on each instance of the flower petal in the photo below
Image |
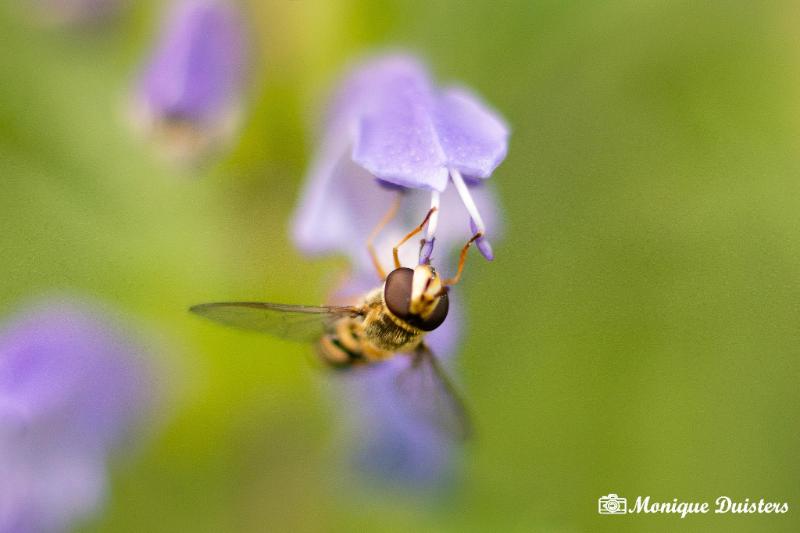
405	457
474	138
338	208
392	447
70	387
197	69
397	142
59	360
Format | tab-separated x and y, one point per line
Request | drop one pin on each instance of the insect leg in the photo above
411	234
390	214
461	260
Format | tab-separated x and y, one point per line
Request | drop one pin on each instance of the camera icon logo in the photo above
612	504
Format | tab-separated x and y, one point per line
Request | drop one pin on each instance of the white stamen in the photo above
466	198
434	220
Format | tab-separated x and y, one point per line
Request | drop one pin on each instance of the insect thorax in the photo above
375	336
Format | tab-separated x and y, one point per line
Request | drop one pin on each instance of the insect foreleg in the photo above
413	232
461	260
390	214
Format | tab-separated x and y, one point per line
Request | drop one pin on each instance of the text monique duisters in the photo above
722	505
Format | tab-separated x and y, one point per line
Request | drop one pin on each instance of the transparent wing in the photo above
431	396
303	323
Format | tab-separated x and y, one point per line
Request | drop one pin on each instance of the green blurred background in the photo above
638	332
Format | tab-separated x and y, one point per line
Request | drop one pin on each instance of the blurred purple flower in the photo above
392	446
71	386
389	122
190	91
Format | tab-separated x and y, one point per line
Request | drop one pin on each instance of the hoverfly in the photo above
390	321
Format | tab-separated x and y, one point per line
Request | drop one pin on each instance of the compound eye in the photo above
397	292
437	316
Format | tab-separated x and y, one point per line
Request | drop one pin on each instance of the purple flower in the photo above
71	386
389	122
391	446
191	88
390	132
